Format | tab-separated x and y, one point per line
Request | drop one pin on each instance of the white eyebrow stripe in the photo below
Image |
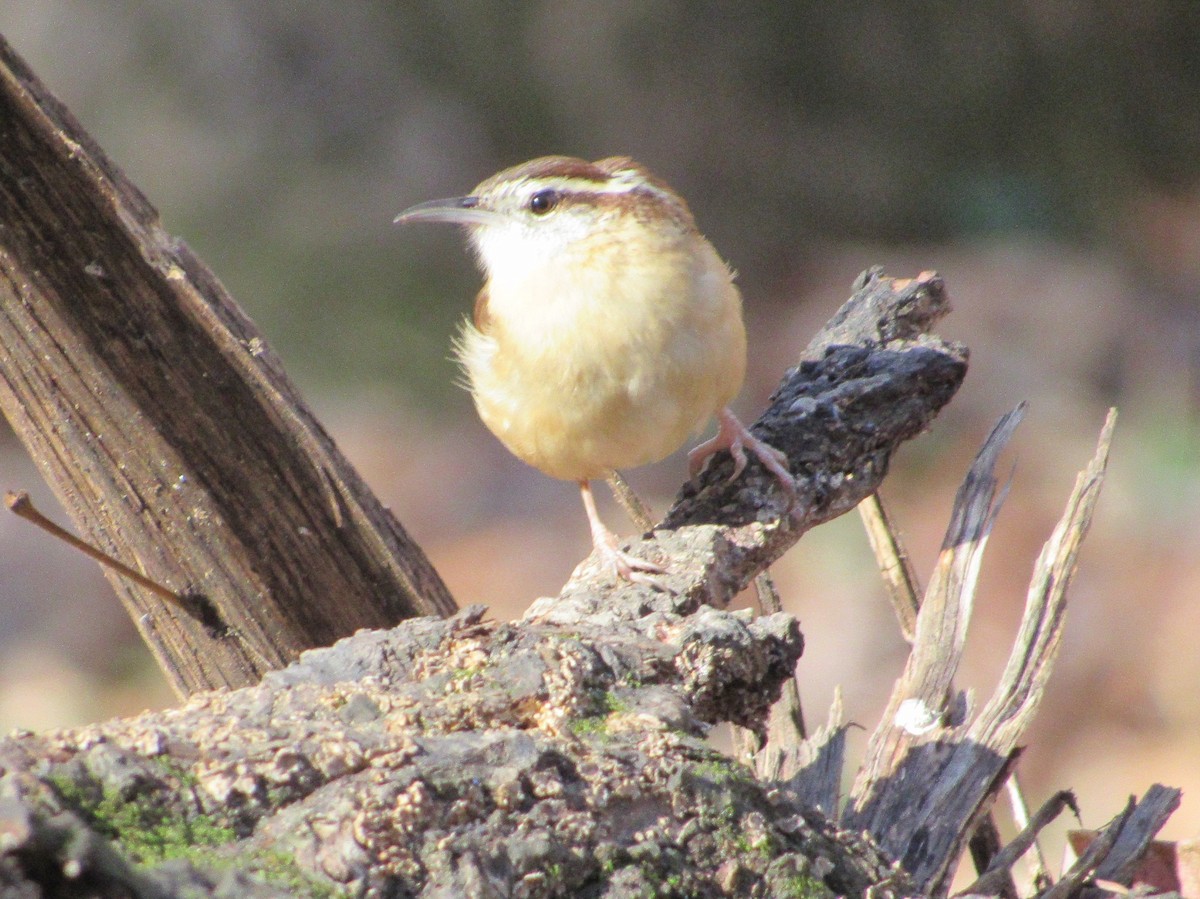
576	185
619	183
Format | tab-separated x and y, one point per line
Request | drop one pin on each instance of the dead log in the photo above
560	755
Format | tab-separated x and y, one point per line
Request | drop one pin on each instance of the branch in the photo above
870	380
166	426
998	876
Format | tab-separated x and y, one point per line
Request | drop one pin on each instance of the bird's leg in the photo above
734	436
631	568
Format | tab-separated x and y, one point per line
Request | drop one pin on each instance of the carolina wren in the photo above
608	330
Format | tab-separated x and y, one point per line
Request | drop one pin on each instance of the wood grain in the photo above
166	425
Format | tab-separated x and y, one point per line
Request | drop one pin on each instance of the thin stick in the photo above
894	564
20	504
998	874
639	513
1020	810
768	594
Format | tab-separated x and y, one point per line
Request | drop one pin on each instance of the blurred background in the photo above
1043	155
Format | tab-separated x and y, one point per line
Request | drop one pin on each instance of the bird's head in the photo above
536	210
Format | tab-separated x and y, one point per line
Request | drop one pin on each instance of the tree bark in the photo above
166	425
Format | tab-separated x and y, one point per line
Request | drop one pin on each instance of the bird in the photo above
608	330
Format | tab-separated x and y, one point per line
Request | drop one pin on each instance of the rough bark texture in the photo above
461	757
166	426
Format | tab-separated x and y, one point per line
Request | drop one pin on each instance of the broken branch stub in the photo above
925	782
869	381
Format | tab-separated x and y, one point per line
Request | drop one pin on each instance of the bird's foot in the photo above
610	554
734	436
628	566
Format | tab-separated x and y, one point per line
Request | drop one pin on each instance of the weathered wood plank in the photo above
165	424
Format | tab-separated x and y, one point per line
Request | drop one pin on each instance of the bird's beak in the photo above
455	210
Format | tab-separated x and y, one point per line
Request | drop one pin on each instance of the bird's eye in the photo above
543	201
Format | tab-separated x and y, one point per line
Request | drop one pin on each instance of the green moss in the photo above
174	769
596	724
732	831
722	770
591	726
661	884
147	831
802	886
616	705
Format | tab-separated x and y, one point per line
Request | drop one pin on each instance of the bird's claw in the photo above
628	566
775	461
734	436
611	556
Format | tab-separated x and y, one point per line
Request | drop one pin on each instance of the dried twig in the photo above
21	505
637	510
904	589
1068	885
1020	810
